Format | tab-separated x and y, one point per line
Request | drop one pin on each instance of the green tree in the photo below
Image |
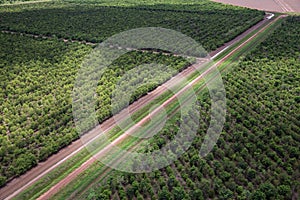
196	194
164	194
258	195
178	193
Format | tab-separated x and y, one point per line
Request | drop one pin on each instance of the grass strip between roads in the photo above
64	169
223	67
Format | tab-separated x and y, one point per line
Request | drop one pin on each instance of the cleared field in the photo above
268	5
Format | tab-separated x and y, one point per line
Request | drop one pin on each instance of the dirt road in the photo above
19	184
121	138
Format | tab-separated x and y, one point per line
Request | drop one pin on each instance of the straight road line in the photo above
19	184
121	138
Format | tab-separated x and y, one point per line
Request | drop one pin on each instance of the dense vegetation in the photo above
36	81
12	1
37	75
37	78
211	28
257	156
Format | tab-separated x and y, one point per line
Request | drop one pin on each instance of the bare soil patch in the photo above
267	5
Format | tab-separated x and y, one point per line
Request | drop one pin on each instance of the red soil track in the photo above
21	183
121	138
267	5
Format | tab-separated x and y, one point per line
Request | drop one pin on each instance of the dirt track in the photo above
267	5
121	138
19	184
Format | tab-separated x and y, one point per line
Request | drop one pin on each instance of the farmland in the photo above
38	74
32	99
37	112
257	155
97	23
43	45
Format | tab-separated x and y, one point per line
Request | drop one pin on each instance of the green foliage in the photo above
164	194
258	195
94	23
37	77
257	155
35	87
284	45
2	180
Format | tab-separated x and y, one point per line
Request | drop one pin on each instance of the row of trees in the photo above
37	79
257	156
95	23
35	121
37	75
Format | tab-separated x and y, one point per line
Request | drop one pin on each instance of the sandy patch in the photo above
267	5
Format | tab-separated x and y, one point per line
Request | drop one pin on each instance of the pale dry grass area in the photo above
267	5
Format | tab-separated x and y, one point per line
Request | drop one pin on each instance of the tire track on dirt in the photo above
121	138
19	184
285	6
